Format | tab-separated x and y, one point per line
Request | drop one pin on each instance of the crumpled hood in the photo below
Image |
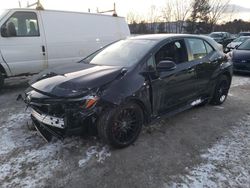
241	55
75	79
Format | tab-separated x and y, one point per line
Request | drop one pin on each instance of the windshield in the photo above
2	13
123	53
216	35
244	46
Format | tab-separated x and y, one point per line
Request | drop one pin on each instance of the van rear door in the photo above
22	43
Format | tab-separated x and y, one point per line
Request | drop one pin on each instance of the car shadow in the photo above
243	74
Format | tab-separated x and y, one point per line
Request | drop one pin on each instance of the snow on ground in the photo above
27	161
94	151
219	107
239	81
226	164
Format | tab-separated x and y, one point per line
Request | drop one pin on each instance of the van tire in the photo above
120	126
1	80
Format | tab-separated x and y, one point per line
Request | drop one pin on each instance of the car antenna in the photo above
38	4
113	10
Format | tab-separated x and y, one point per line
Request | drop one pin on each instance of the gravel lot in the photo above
202	147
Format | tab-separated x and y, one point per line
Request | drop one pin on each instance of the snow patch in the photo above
13	134
219	107
227	159
27	169
27	161
101	153
196	102
240	81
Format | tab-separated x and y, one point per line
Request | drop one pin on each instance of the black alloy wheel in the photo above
221	90
121	126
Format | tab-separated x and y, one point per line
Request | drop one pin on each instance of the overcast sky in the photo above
123	6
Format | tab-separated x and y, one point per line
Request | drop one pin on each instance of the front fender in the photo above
131	87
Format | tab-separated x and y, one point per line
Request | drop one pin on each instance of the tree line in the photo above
181	16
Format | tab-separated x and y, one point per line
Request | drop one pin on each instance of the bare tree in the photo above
133	17
167	15
176	11
218	8
181	11
153	18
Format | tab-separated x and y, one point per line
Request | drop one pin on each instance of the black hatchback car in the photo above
117	89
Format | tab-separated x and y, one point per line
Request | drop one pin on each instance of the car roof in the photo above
160	37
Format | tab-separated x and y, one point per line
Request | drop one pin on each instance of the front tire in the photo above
121	126
221	90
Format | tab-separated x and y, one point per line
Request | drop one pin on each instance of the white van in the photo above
32	40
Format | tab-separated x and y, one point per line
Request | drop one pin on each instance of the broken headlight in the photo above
90	101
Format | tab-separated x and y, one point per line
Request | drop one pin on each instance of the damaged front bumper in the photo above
61	117
48	120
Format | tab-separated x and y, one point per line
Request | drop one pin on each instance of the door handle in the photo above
43	50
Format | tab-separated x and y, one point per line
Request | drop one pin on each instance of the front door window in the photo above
22	24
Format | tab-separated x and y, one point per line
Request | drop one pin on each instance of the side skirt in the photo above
184	107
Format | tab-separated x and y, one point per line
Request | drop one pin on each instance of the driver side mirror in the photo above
4	32
166	65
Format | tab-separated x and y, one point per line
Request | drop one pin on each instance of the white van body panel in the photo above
23	54
65	37
72	36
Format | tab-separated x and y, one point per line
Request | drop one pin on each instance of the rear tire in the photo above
221	90
121	126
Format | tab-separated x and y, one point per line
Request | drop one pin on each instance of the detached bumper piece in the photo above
48	126
48	120
45	131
